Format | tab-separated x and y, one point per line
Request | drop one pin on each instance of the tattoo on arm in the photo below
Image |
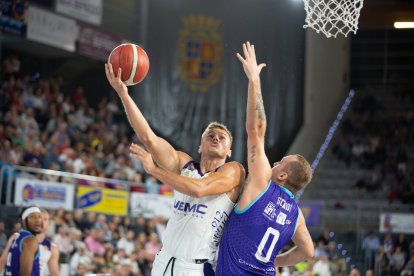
253	154
259	107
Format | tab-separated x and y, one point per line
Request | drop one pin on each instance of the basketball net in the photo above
333	17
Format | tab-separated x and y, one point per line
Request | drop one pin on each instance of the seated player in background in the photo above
23	255
48	251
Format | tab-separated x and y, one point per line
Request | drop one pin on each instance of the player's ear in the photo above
282	176
229	153
199	149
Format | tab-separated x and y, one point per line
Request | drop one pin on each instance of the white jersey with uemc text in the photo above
196	224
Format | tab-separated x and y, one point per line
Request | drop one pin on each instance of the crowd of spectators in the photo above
42	127
91	243
377	134
389	255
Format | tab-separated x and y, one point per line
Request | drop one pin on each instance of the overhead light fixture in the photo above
404	25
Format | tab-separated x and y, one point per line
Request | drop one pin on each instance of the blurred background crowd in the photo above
42	127
61	123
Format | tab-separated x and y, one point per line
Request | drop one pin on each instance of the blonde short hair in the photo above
299	174
214	125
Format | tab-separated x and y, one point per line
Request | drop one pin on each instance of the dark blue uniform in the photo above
253	236
13	257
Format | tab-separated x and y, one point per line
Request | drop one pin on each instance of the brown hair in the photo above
213	125
299	174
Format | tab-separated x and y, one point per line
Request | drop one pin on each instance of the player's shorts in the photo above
165	264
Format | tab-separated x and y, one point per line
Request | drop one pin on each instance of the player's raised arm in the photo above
162	151
227	178
29	249
258	164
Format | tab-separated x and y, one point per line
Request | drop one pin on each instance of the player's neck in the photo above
287	187
210	164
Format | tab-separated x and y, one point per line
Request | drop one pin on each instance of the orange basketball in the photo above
133	61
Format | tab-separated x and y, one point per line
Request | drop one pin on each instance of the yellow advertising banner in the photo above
106	201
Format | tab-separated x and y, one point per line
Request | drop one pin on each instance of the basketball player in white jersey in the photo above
48	255
205	191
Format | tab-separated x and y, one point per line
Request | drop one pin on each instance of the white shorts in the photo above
164	262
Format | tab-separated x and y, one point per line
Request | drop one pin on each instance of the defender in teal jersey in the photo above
267	216
23	256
